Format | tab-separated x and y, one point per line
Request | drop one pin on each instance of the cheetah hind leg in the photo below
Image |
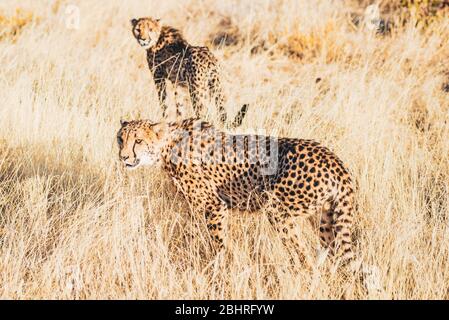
198	97
217	220
287	228
327	235
216	91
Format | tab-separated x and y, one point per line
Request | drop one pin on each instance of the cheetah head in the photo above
146	31
140	143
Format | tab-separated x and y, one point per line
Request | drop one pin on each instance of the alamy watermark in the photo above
208	146
72	17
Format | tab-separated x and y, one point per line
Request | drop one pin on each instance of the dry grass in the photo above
74	225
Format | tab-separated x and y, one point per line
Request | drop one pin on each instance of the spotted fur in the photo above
216	171
170	57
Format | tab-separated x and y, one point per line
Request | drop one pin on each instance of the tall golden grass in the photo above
75	225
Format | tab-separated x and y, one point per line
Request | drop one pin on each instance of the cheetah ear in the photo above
123	122
134	22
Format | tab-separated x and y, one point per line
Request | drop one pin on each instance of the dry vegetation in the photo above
73	224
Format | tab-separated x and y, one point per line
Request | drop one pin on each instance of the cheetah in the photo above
171	57
217	171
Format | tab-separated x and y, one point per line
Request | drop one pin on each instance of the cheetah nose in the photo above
124	158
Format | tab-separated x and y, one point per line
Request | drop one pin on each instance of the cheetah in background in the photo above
217	171
170	57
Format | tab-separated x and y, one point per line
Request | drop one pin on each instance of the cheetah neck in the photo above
179	134
169	38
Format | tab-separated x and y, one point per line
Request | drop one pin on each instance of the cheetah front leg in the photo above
179	106
161	87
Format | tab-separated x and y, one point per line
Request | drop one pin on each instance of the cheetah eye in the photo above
119	140
139	141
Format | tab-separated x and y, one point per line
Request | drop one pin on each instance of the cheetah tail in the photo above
237	122
343	224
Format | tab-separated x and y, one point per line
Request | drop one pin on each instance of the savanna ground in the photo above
74	224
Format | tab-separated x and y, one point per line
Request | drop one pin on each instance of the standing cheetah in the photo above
217	171
170	57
